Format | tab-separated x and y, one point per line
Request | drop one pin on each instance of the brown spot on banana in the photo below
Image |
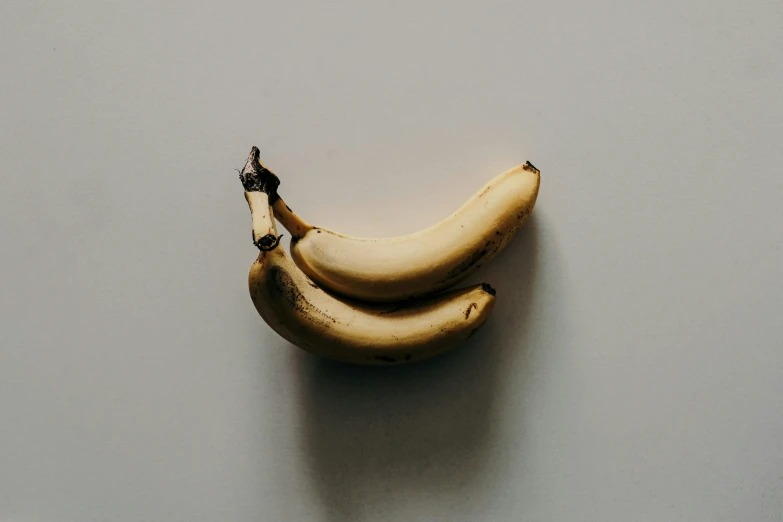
471	307
283	285
467	264
471	262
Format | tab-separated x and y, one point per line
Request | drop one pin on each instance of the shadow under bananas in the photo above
376	437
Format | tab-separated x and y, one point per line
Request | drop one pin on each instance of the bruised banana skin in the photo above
310	318
392	269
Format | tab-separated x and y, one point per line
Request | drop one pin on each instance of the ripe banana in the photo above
314	320
392	269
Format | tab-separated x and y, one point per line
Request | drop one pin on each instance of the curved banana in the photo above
391	269
307	316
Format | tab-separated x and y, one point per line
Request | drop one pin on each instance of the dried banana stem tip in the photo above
255	177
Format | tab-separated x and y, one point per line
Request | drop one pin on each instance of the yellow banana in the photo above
314	320
392	269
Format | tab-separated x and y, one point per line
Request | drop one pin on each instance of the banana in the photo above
361	333
392	269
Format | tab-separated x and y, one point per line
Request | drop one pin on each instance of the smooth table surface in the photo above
633	368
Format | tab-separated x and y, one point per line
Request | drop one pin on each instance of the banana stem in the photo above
264	230
260	190
297	226
259	180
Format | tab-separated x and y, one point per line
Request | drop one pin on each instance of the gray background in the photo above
633	369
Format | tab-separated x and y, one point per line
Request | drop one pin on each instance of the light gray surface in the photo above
633	369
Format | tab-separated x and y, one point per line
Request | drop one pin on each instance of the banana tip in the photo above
530	167
488	288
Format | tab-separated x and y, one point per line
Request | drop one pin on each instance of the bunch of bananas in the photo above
374	301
